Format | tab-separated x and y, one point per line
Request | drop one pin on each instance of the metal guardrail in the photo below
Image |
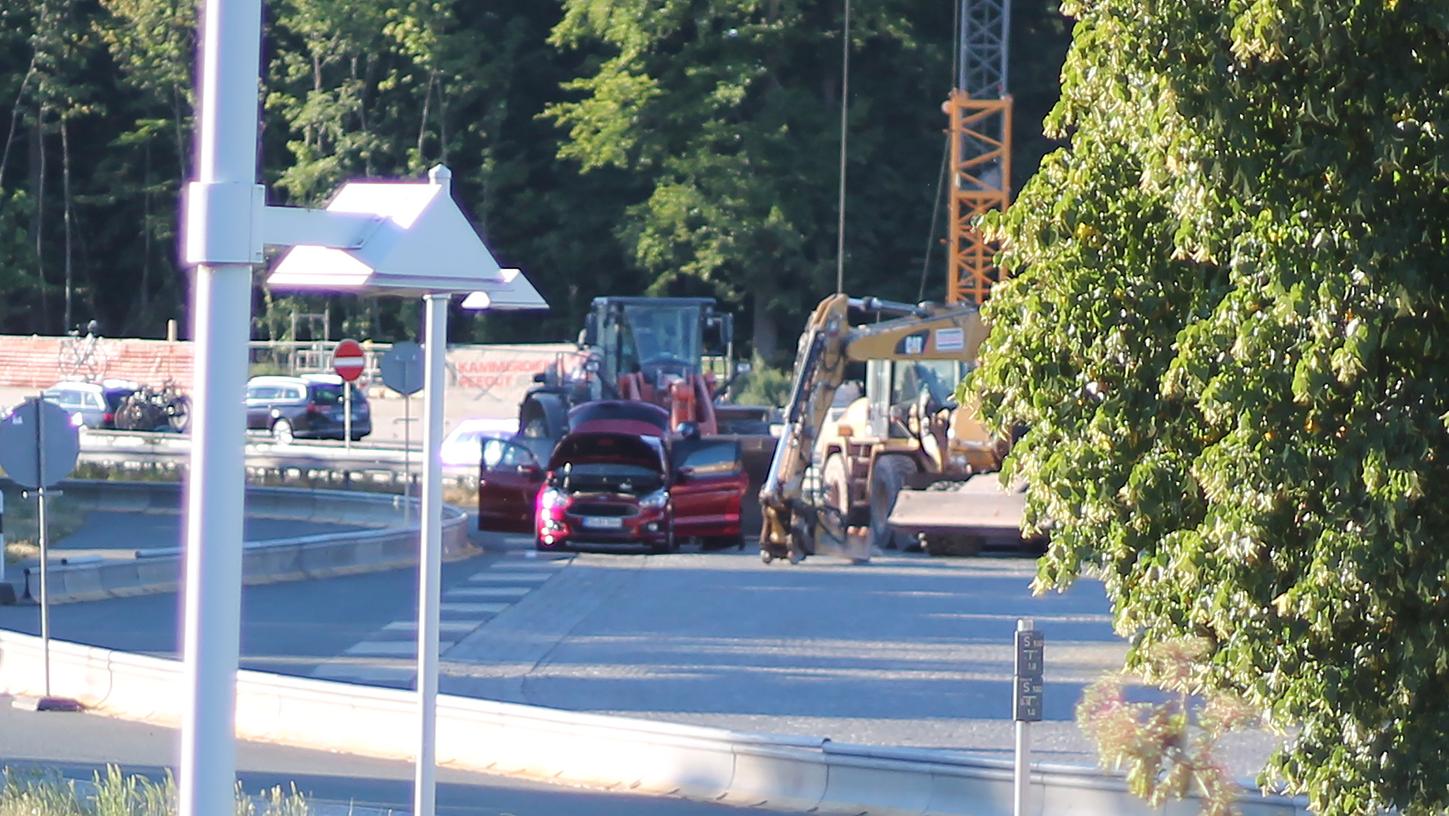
380	462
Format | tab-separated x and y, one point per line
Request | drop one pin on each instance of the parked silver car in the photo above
91	405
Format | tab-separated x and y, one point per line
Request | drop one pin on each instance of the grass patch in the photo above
33	793
63	516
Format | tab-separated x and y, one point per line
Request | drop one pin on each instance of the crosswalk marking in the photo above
474	608
488	592
465	607
443	626
365	673
510	577
381	648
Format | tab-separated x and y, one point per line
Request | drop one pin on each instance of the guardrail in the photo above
378	462
388	544
712	764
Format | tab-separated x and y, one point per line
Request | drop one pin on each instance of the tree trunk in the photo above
14	120
766	334
37	222
66	201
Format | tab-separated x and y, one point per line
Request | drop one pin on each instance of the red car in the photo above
615	481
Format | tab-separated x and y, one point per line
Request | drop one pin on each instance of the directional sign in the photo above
348	360
402	368
38	445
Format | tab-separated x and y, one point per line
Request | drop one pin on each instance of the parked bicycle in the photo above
155	409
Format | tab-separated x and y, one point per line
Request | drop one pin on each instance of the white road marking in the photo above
474	608
551	563
487	592
444	626
380	648
352	671
511	577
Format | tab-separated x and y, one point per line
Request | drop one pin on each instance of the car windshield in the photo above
588	477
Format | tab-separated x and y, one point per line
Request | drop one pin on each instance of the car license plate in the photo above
603	522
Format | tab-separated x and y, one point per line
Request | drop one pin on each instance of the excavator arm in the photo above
794	527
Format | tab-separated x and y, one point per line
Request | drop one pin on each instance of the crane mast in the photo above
980	112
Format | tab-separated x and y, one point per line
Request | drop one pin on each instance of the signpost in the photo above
402	371
38	448
348	361
1026	703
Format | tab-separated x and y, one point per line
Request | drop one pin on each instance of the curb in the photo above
593	750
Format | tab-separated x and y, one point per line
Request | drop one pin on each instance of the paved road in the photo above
77	745
113	530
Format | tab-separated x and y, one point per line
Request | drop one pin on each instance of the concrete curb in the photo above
388	545
612	753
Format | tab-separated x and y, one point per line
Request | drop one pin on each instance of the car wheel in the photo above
282	431
887	479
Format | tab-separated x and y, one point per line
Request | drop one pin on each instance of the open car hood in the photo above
624	449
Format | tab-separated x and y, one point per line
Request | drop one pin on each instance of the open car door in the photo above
509	477
708	487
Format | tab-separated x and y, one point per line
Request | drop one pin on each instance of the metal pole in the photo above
407	458
226	145
844	107
1022	797
346	415
2	539
430	572
40	534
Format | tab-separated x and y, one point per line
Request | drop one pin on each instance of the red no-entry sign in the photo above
348	360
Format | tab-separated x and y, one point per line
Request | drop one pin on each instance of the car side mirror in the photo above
683	472
589	337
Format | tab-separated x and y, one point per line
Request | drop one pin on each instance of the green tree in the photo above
1227	335
728	113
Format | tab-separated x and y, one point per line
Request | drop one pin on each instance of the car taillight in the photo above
108	417
314	408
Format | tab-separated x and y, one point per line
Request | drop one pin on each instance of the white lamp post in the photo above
413	239
424	247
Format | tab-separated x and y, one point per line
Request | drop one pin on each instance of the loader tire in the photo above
887	480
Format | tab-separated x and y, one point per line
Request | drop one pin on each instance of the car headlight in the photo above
551	499
658	500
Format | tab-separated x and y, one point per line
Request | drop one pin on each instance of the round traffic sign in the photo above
348	360
38	444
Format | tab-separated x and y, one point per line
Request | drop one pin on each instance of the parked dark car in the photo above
304	408
615	481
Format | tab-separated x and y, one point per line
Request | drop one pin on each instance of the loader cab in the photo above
894	387
658	338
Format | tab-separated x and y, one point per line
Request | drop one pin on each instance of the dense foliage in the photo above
725	184
1227	335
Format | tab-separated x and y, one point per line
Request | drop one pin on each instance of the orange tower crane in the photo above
980	111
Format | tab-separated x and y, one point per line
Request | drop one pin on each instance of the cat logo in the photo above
912	344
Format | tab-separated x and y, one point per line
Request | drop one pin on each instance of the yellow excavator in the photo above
905	432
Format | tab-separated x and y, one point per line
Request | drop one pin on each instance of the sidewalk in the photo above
79	744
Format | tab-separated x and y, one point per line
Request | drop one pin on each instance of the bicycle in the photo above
80	355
